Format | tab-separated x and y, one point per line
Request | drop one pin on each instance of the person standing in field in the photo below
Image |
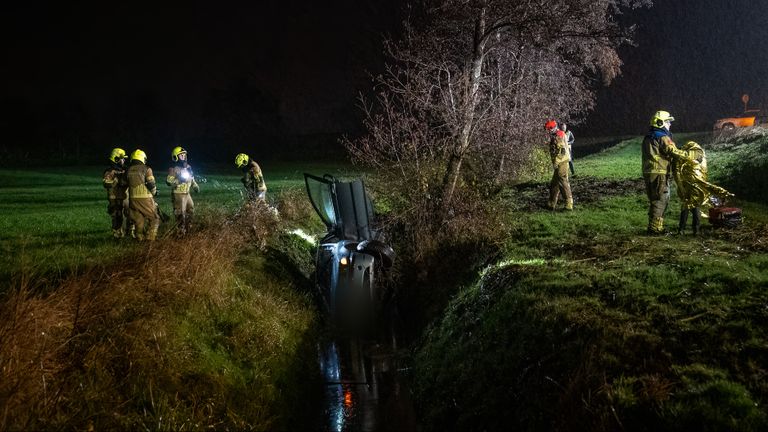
141	192
558	151
569	139
658	152
253	179
693	189
182	182
116	184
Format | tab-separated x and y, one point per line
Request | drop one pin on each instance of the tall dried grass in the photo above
99	349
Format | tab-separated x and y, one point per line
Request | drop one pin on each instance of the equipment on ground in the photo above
727	217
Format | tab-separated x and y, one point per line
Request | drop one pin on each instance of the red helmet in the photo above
551	124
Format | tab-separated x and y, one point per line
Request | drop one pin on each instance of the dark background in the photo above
693	58
279	79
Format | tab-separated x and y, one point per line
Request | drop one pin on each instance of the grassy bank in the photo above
54	222
588	324
216	330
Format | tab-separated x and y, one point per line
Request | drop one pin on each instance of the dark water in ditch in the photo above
365	389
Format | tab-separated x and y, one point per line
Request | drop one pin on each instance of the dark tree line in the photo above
240	118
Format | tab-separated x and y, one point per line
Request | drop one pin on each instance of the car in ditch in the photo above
352	258
745	119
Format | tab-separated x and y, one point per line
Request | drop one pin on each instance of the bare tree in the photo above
472	81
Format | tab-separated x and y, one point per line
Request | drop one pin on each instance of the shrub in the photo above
740	163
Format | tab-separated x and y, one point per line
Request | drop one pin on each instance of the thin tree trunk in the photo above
468	118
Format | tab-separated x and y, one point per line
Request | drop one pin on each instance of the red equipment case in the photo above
725	216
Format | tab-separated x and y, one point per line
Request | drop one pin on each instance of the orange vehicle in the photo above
745	119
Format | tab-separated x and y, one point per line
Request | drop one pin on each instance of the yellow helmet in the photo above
692	145
139	156
176	152
660	117
241	160
117	153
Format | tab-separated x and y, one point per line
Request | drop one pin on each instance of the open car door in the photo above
349	258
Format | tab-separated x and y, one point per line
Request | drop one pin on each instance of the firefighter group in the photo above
132	188
131	185
662	161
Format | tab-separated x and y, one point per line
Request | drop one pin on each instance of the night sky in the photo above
105	65
694	58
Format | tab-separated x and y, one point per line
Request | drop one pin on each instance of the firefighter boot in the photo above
181	226
117	233
683	221
656	226
696	220
569	204
187	223
552	203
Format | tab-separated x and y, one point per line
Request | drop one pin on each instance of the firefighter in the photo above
116	184
141	192
560	153
690	174
182	182
658	152
253	179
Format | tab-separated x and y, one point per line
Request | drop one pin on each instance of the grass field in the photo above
54	222
216	330
586	323
579	321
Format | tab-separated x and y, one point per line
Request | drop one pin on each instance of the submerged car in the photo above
351	258
745	119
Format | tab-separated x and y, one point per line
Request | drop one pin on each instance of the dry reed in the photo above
70	353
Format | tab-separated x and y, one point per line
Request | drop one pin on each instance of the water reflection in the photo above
350	394
363	390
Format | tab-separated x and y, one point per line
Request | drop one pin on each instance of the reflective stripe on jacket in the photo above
180	179
658	152
141	181
558	148
115	183
253	179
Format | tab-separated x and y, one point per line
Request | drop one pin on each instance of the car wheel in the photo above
380	250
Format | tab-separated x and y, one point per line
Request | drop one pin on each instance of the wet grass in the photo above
214	331
586	323
54	222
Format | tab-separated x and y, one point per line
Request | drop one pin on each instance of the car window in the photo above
321	195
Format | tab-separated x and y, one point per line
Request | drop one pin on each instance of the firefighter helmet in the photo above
241	160
139	155
117	153
176	152
549	125
660	117
692	145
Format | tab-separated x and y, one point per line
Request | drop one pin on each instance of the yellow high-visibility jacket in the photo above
141	181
